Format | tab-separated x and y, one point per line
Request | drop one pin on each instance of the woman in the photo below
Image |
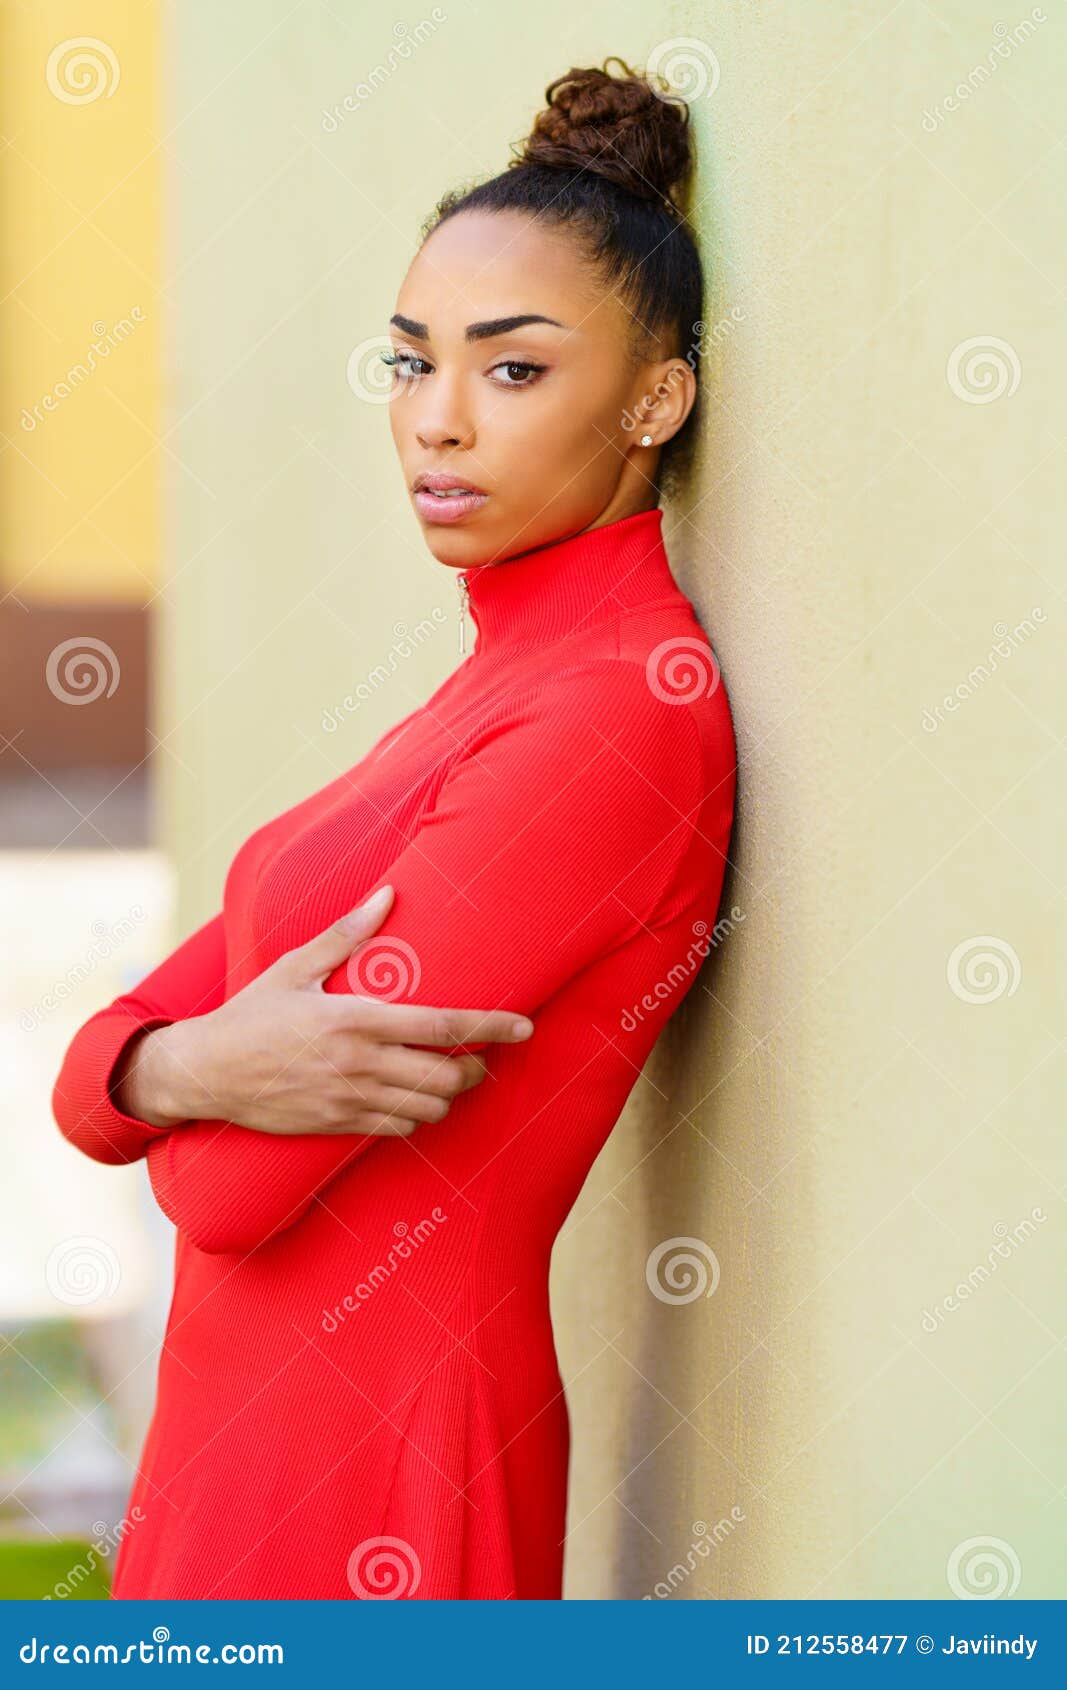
358	1391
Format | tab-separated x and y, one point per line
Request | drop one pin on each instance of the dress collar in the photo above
557	589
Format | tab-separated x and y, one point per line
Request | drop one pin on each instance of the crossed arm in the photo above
550	843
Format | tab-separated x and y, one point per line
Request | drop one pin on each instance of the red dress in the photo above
358	1392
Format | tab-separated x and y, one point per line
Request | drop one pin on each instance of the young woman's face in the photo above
533	415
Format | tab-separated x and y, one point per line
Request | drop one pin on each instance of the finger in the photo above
419	1070
384	1125
415	1024
335	944
402	1103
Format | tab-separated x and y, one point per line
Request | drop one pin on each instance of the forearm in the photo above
231	1189
90	1110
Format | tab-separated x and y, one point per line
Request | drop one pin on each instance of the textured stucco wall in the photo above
847	1134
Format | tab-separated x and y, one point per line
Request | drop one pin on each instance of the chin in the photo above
456	550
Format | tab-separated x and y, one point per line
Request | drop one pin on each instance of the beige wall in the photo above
847	1134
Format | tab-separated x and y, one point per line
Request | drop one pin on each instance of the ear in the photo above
669	393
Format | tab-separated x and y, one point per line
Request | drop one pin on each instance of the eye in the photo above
401	364
525	369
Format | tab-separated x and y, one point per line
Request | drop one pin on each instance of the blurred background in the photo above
215	598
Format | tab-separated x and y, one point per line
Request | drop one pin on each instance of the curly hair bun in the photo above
619	127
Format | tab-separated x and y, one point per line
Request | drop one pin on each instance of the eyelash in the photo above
395	359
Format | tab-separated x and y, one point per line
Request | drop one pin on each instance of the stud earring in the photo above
646	439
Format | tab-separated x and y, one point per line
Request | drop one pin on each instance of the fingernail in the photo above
377	899
522	1029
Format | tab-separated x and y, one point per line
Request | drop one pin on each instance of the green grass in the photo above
68	1571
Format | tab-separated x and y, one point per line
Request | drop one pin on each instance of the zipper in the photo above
464	595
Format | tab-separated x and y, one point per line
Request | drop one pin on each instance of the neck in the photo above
557	589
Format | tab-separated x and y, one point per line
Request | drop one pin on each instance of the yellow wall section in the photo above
79	216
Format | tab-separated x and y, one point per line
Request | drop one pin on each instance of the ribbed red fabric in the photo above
358	1392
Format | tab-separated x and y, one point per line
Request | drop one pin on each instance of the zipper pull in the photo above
464	594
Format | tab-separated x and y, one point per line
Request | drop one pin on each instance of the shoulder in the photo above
618	718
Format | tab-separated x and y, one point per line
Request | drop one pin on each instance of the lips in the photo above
444	484
443	497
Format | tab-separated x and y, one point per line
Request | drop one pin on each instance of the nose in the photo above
441	416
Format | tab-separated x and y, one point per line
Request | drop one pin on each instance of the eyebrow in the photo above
476	331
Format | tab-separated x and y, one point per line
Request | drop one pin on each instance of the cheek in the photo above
398	427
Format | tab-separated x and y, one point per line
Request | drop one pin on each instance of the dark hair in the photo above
605	156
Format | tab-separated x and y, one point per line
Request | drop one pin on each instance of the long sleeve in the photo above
552	841
548	845
190	981
203	1173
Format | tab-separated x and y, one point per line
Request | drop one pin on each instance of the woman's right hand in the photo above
284	1056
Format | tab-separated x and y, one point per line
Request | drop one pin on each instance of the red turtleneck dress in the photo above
358	1391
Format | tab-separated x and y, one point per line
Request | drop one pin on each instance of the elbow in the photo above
80	1127
200	1214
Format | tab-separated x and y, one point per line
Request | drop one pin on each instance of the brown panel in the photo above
73	685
